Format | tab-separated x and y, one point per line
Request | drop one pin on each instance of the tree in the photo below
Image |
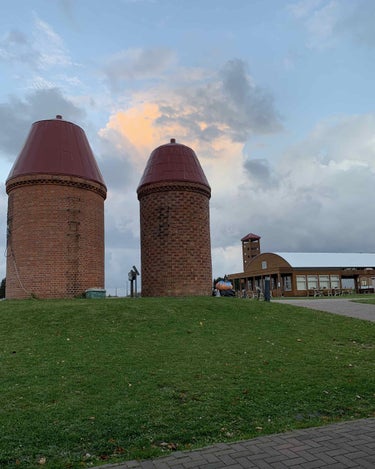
2	288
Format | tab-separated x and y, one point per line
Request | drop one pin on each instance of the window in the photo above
301	282
312	281
324	281
264	265
335	281
288	283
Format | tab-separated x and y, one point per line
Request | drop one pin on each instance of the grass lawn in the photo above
370	301
85	382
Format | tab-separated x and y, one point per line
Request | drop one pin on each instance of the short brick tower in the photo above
55	234
175	224
250	248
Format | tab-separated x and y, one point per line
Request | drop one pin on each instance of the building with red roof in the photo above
55	234
174	199
303	273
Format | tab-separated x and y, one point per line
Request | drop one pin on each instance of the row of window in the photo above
304	282
309	282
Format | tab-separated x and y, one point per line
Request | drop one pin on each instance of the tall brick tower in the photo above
175	227
55	234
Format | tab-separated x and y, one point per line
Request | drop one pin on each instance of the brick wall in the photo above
55	238
175	240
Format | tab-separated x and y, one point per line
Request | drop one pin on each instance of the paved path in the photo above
342	306
343	445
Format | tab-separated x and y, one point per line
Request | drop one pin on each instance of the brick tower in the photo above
250	248
55	234
175	227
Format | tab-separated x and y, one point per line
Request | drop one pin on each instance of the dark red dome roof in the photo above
173	162
57	147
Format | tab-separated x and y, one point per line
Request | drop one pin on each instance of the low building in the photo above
303	273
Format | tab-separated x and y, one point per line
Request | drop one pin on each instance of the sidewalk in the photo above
342	306
343	445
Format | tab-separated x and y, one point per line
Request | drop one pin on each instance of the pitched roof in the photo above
250	236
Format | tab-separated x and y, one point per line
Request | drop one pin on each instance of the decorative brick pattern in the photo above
55	237
175	239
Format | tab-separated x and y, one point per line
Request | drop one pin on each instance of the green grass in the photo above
370	301
86	382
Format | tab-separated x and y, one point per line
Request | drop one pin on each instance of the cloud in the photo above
209	106
43	49
15	47
137	64
304	8
327	22
322	201
319	19
38	59
358	24
117	156
252	107
339	140
67	8
228	104
50	46
259	172
17	115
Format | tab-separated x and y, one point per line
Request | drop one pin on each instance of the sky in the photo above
275	97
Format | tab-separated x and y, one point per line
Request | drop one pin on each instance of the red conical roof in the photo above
57	147
173	162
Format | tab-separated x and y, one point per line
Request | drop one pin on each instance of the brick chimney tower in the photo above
175	224
250	248
55	233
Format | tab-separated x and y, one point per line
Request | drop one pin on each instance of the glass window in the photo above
288	283
324	281
335	281
264	264
312	281
301	282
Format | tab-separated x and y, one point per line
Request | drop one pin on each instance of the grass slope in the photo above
90	381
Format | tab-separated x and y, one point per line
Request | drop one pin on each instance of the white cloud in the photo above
42	50
50	46
17	115
304	8
319	19
323	196
137	64
328	21
358	23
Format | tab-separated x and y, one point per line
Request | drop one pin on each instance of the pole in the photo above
267	290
